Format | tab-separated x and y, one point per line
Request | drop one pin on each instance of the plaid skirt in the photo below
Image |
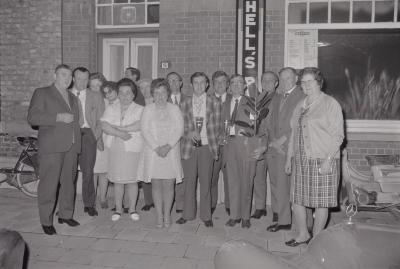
309	187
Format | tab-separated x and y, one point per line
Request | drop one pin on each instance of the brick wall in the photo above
78	34
30	48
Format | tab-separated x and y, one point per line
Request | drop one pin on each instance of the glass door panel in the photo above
144	52
115	57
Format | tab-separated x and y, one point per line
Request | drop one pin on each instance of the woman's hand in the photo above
125	135
326	167
288	166
162	151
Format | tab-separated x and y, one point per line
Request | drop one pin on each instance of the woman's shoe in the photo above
294	243
134	216
116	216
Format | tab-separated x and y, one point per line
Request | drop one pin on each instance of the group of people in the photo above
147	131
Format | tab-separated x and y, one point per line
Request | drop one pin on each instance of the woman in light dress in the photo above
160	162
96	84
121	122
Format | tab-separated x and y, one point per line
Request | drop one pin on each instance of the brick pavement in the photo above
100	243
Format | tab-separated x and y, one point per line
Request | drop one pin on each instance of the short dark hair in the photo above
237	76
218	74
62	66
98	76
134	71
112	85
128	82
317	74
80	69
271	73
288	68
174	73
199	74
157	83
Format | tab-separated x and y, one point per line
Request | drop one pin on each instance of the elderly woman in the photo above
162	127
121	122
96	82
317	133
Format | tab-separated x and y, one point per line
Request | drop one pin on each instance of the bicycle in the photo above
24	175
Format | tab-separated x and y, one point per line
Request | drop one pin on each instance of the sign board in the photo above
302	48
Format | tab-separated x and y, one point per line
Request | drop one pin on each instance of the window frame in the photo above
146	3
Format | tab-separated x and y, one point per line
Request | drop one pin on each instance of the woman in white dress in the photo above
160	162
121	121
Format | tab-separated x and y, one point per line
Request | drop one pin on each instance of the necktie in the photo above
81	116
233	117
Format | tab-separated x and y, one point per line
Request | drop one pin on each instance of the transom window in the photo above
343	11
127	13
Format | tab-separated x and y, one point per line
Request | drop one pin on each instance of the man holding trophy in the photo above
202	116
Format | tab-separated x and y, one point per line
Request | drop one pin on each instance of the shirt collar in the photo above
290	91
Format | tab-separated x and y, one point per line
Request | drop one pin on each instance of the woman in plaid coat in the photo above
317	133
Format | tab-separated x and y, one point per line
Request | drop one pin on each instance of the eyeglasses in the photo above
307	82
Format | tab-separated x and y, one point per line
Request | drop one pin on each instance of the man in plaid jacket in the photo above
199	148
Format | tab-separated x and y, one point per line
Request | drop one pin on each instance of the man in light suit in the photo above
199	148
92	104
175	83
269	82
278	126
56	112
220	82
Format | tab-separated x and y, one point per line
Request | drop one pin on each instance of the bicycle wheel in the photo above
27	179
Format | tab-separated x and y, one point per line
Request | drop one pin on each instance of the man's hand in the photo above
258	152
195	136
65	117
277	146
288	166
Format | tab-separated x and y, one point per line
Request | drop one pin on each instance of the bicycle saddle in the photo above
26	140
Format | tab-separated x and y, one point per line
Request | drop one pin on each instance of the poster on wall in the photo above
250	39
302	48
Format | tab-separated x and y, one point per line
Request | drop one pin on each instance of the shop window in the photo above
127	13
318	12
340	12
362	11
384	11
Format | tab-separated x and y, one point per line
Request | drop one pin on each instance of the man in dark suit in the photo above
56	112
175	83
220	81
269	82
92	104
278	126
199	148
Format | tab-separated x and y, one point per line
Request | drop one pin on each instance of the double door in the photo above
121	52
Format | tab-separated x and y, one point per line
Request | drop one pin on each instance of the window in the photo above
357	50
127	13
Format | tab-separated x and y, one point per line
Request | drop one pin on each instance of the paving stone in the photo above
111	259
187	228
42	253
201	252
144	261
279	246
178	263
50	265
202	264
108	245
42	239
104	232
216	231
81	230
138	247
190	239
132	234
79	256
170	250
77	242
215	241
160	236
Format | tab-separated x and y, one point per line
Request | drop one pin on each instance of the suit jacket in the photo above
213	121
278	119
94	109
240	114
54	136
183	97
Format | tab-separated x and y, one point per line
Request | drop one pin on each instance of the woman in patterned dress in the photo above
317	133
121	122
160	163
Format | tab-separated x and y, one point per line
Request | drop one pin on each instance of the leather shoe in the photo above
49	229
91	211
246	223
232	222
147	207
259	213
228	211
69	222
276	227
181	221
208	223
274	217
294	243
179	211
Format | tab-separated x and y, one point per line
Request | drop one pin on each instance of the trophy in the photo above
198	125
226	132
